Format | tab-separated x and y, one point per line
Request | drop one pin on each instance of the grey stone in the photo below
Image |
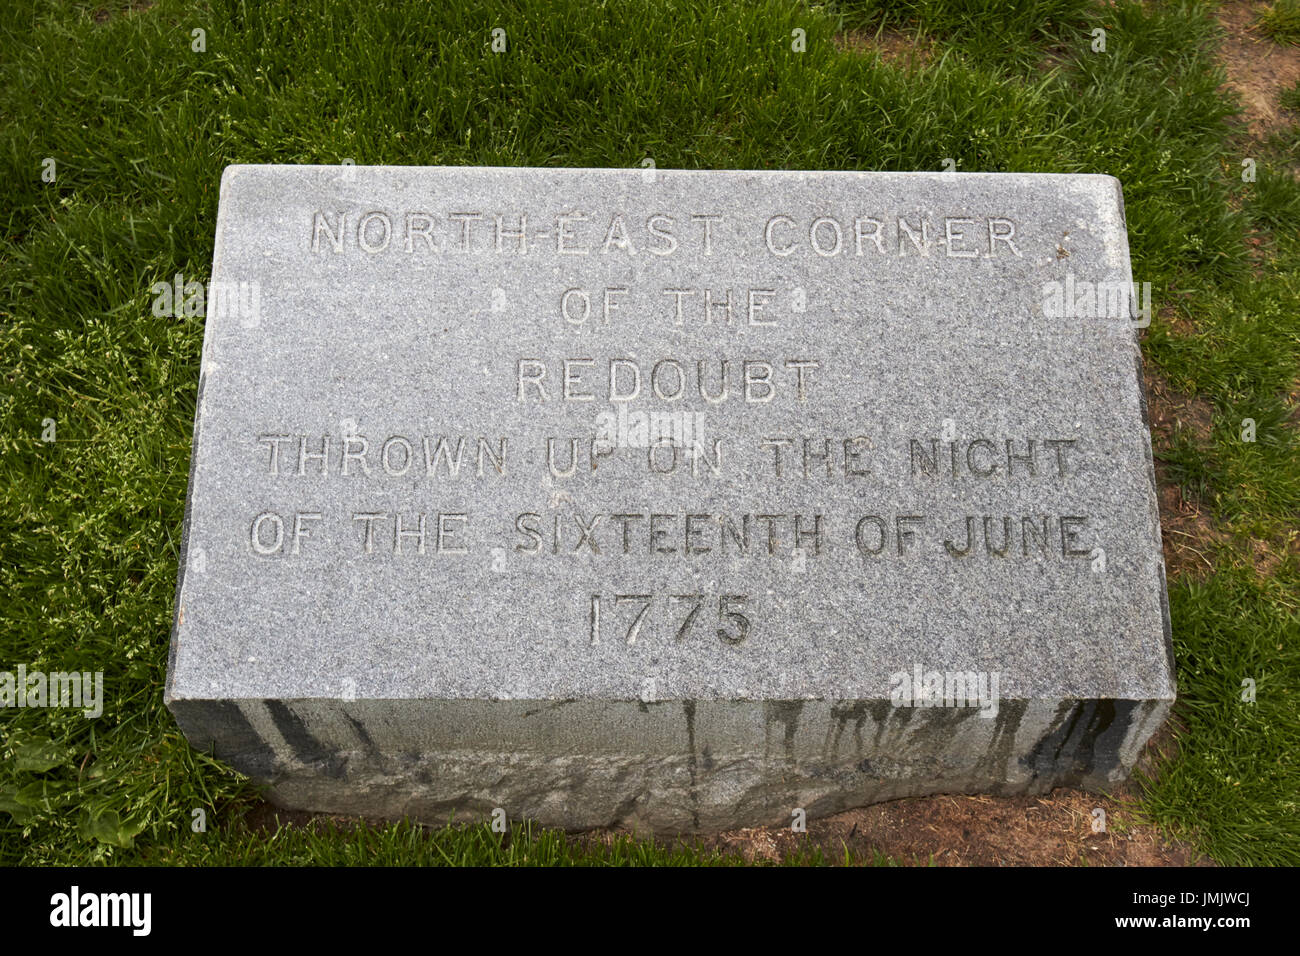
931	459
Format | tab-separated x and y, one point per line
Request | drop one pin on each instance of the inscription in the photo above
731	628
685	536
662	234
651	533
721	401
620	380
439	456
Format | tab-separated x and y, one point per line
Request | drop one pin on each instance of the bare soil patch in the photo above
1258	69
893	46
1051	830
1188	530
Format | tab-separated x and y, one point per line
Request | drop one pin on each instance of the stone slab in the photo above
660	498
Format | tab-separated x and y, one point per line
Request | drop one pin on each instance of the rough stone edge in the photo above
1149	456
1092	744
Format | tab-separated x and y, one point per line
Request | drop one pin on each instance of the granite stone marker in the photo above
668	499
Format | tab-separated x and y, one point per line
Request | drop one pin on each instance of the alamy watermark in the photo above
1081	299
236	300
129	910
626	428
933	688
79	689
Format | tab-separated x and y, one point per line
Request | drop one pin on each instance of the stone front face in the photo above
665	498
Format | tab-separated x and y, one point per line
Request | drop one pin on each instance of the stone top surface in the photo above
916	459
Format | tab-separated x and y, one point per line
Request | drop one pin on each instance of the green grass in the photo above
1236	768
1281	21
140	126
329	843
1290	98
408	844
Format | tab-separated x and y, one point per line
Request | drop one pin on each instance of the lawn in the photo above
116	121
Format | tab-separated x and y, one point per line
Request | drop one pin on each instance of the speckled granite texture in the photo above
662	498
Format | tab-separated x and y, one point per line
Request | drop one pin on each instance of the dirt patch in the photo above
1177	321
1052	830
266	818
896	48
1267	555
1258	69
1171	411
1188	532
103	16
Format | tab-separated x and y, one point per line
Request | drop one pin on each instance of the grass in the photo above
1290	98
1280	21
139	125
